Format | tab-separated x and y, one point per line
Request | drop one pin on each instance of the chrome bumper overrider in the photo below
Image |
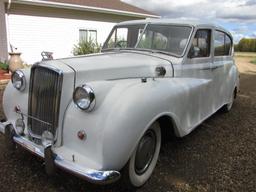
94	176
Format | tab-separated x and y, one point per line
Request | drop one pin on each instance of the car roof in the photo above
197	24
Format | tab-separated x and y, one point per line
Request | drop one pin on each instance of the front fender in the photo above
124	110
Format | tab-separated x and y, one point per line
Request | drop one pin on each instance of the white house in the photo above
33	26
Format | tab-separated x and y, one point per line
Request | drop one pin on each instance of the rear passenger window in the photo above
227	45
222	44
201	44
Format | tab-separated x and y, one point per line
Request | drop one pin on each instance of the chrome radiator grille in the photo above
44	100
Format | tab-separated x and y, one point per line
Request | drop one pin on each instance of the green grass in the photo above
246	54
253	61
250	55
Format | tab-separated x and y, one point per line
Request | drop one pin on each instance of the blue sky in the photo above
238	16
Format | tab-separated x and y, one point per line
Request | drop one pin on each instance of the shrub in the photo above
253	61
86	47
4	66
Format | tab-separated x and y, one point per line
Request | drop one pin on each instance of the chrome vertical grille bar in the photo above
44	100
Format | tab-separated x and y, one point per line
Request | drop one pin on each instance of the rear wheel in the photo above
228	106
144	158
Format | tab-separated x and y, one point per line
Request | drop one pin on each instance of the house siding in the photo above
3	33
33	29
32	34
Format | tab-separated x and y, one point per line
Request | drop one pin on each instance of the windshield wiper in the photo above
163	52
137	49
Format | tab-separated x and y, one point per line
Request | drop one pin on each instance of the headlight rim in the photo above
22	78
91	94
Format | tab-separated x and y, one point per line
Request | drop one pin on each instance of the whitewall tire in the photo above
144	158
229	105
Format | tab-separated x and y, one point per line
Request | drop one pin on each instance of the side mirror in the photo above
193	52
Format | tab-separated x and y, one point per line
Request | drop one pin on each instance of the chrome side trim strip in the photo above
91	175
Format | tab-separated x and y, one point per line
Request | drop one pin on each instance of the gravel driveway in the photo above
220	155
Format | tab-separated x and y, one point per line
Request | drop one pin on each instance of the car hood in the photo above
116	65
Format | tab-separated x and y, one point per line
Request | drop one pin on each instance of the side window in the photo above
222	44
201	45
228	45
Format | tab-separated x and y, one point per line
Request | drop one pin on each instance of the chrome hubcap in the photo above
145	152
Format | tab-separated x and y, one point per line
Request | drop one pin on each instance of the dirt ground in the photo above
220	155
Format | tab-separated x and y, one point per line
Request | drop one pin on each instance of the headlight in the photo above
18	80
84	97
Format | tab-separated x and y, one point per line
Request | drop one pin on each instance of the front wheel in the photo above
144	158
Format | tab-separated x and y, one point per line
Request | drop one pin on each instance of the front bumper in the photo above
93	176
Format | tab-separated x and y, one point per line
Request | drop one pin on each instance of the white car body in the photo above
129	98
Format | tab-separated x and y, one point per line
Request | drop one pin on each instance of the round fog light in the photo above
20	126
47	138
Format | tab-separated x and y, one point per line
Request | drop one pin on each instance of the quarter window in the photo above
201	44
222	44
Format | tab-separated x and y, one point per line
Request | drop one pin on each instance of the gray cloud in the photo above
202	9
232	13
250	2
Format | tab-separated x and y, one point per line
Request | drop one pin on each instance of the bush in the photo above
86	47
4	66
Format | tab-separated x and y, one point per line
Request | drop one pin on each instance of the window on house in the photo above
201	45
87	35
222	44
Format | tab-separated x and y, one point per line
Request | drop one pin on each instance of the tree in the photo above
246	45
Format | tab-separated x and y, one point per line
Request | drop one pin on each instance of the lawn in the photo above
251	55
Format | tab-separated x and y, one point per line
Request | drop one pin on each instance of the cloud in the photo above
250	2
201	9
232	13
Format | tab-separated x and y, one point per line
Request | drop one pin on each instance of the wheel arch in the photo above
168	127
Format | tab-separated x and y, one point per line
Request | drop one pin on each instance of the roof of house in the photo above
108	6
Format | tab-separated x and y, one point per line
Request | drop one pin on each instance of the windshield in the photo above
158	38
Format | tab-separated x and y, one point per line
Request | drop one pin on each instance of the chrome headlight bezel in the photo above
84	98
19	80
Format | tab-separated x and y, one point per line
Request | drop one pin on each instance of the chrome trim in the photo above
60	72
22	78
94	176
91	175
31	117
91	94
2	128
216	67
29	145
3	125
56	80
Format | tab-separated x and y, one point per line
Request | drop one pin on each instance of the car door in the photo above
222	64
197	66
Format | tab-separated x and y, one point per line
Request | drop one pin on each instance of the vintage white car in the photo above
101	116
